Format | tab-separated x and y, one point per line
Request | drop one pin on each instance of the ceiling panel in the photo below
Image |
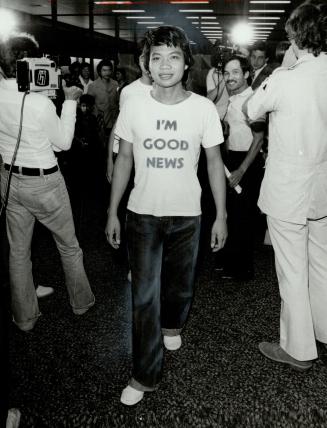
202	20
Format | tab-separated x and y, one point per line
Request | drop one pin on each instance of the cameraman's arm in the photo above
60	131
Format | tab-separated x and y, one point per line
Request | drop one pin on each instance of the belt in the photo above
31	171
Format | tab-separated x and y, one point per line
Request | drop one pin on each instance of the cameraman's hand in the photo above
71	93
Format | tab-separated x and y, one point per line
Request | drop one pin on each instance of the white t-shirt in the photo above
166	147
134	88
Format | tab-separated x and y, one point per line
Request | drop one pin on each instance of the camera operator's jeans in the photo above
44	198
163	253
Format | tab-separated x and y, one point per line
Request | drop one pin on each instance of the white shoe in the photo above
43	291
13	418
131	396
172	343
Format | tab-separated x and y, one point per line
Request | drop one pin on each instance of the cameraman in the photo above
216	86
37	189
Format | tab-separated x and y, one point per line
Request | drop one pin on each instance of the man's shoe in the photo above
13	418
172	343
274	352
43	291
81	311
131	396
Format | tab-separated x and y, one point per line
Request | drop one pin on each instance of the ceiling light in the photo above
196	10
7	22
271	1
210	28
209	17
128	11
208	23
264	17
152	22
113	2
241	33
195	22
189	2
140	17
191	17
262	28
266	11
262	23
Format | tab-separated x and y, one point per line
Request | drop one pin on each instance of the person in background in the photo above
105	92
121	79
164	211
245	164
259	63
216	85
84	77
294	189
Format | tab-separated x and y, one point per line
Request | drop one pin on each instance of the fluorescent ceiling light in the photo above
266	11
262	28
152	22
113	2
191	17
209	17
140	17
210	28
128	11
151	26
208	23
263	23
264	17
189	2
271	2
196	10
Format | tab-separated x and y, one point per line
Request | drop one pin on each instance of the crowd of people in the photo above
262	129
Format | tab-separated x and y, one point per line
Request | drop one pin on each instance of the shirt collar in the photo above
246	93
305	58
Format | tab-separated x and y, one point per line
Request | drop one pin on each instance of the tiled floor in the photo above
69	371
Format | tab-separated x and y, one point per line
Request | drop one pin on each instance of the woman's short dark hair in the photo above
244	62
104	63
170	36
307	26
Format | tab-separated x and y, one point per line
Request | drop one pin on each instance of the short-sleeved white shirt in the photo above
240	135
166	146
294	187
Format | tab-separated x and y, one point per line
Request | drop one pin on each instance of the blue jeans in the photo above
163	253
44	198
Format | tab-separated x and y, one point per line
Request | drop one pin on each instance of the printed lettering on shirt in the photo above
173	144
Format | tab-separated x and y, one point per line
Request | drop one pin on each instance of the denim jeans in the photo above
163	253
44	198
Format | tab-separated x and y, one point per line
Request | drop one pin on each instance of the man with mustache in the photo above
246	167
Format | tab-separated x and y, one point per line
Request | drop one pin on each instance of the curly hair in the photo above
307	26
170	36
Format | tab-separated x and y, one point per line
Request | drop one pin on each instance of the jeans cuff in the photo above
27	325
137	385
171	331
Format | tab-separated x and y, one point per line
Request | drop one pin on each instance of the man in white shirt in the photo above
37	190
246	166
294	189
164	140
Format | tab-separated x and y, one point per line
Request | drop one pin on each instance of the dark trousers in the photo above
242	215
163	253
